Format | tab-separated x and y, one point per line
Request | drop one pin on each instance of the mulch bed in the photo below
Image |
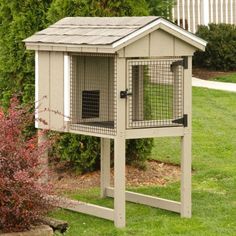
156	173
206	74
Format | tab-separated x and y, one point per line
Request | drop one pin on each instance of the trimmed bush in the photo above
81	152
137	151
22	196
221	48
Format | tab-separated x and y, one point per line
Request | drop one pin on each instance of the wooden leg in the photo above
119	182
105	165
186	165
43	158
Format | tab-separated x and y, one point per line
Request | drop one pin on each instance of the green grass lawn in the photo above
214	180
226	78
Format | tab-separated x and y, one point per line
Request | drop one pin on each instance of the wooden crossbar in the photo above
154	132
83	207
148	200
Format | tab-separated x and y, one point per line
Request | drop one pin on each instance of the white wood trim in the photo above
160	21
66	87
59	45
70	48
36	89
148	200
83	207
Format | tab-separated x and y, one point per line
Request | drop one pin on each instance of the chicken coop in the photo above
117	78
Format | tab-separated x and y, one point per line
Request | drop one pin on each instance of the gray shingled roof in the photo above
90	30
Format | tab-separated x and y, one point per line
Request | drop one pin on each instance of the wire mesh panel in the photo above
157	92
93	86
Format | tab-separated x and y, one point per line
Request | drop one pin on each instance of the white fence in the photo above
191	13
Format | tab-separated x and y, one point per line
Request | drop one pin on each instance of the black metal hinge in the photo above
183	120
124	94
183	62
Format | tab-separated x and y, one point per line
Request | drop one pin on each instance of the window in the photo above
90	104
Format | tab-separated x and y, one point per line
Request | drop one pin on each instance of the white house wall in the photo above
191	13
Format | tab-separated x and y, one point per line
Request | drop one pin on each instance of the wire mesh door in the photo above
156	88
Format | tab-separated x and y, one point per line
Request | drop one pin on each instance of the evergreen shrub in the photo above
221	48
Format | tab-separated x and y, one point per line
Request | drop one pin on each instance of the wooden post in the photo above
119	182
42	137
105	165
119	147
186	159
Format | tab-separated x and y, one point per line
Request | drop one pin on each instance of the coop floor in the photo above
101	124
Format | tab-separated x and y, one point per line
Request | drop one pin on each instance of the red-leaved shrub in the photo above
22	195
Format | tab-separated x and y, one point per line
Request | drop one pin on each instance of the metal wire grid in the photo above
157	93
93	93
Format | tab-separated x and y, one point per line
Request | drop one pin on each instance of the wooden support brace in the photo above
148	200
154	132
83	207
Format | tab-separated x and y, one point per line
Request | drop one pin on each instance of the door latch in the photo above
125	94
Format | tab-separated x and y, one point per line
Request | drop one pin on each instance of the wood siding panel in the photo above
158	44
161	44
183	49
57	91
140	48
44	88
